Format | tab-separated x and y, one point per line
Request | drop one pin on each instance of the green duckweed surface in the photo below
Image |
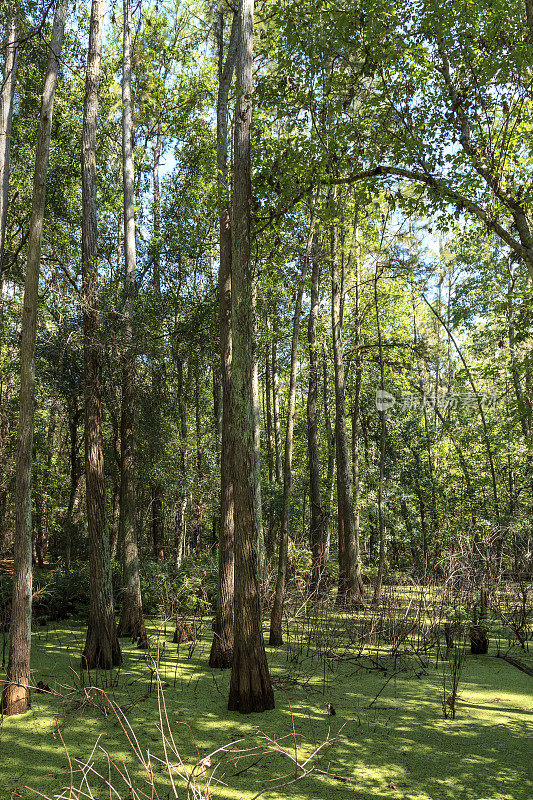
390	741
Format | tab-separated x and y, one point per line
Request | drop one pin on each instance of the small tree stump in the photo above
184	633
479	641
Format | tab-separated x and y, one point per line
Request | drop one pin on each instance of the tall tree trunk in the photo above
258	502
74	414
198	465
158	530
217	408
268	409
317	531
217	419
131	621
16	692
181	530
275	409
114	545
350	583
43	504
250	687
522	398
355	417
6	479
221	654
434	508
422	510
102	649
409	528
269	537
183	433
529	18
7	94
381	566
330	479
276	619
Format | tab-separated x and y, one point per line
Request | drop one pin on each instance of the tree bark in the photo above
268	408
330	480
74	414
258	501
222	647
102	649
269	537
356	413
522	398
381	566
250	687
16	693
275	409
276	619
183	433
43	526
6	477
131	621
350	584
317	524
115	519
158	529
6	116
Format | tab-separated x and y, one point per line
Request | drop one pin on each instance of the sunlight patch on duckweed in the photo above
400	747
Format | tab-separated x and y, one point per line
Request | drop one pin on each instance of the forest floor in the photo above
388	737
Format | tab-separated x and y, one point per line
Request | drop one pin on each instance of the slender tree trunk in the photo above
381	567
181	530
222	647
434	508
423	527
350	585
356	413
7	94
522	399
44	505
275	408
409	528
115	546
199	469
217	419
250	687
183	433
276	619
16	692
317	537
529	18
102	649
158	529
268	405
131	621
269	538
330	479
217	408
258	501
6	419
73	420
